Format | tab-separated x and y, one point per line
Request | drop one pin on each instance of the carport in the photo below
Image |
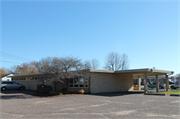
148	72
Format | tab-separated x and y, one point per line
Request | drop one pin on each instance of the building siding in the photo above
106	82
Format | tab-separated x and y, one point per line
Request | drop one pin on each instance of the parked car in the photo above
142	83
175	86
11	85
171	83
153	85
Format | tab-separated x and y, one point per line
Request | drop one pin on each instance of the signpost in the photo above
172	78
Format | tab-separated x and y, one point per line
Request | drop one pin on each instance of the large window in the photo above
79	82
71	82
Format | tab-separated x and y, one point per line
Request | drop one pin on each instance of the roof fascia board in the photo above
162	71
146	70
29	75
101	71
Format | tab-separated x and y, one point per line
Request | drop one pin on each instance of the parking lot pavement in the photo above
130	106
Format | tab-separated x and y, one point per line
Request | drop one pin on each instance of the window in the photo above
3	82
71	81
9	82
79	82
16	83
87	80
76	82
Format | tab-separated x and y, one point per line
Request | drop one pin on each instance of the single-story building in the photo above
101	81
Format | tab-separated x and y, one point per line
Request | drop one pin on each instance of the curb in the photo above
163	94
154	94
174	94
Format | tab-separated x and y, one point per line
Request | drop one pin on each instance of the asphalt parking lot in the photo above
24	104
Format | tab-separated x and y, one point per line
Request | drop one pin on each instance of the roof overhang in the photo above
134	71
101	71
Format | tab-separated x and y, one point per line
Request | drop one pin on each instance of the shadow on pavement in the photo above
119	93
20	94
25	94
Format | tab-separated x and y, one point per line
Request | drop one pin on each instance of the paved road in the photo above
118	105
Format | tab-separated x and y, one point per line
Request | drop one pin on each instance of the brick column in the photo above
167	82
157	84
139	82
145	84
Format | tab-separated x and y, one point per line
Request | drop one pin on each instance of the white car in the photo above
175	86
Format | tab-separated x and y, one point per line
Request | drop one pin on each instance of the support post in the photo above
139	82
145	84
157	84
167	82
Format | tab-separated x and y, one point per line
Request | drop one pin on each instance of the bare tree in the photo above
87	65
7	70
63	68
177	76
95	63
124	62
115	61
14	69
37	65
42	63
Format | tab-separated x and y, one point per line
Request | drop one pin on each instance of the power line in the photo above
14	56
9	62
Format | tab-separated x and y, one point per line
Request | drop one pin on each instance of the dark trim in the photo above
90	84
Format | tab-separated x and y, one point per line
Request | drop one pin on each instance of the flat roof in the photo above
133	71
33	74
101	71
129	71
145	70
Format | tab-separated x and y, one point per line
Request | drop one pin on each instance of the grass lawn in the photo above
177	91
142	88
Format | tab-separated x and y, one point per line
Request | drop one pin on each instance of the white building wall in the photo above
6	78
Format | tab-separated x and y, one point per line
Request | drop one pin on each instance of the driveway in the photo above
117	105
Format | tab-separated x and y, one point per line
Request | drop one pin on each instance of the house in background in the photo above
7	77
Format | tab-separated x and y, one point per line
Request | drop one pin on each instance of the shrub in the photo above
64	92
64	89
55	92
60	94
52	92
42	90
81	91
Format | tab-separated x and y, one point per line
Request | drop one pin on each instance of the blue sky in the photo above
148	32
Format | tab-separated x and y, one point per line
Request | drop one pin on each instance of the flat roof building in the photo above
102	81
